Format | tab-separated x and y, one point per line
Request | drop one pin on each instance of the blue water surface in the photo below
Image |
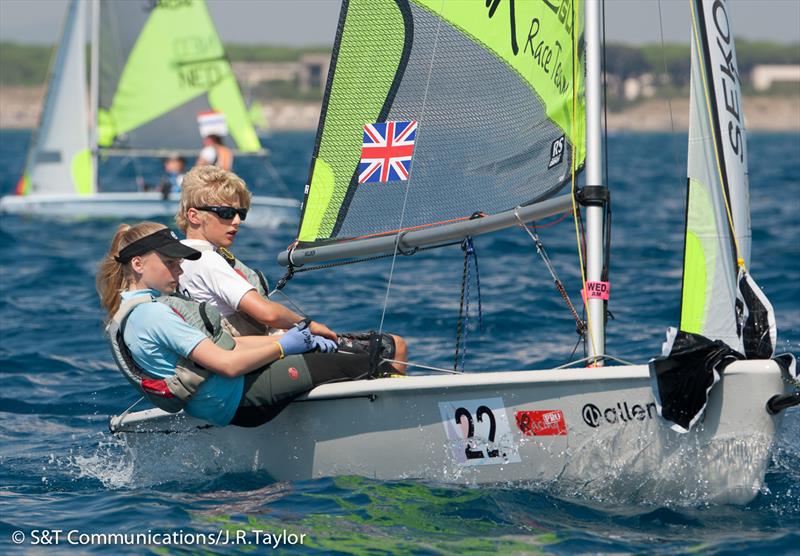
61	469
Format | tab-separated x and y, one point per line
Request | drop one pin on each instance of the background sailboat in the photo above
155	66
485	157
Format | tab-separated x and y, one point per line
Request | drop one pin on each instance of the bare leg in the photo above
400	353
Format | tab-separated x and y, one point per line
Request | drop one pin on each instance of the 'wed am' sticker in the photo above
478	432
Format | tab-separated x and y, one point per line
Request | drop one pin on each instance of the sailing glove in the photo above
299	339
324	345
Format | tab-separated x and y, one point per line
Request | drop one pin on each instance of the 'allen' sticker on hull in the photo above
478	432
549	422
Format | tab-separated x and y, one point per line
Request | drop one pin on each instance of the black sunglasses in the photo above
226	213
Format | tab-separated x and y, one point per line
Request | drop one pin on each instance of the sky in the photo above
313	22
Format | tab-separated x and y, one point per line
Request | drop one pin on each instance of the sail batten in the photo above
469	109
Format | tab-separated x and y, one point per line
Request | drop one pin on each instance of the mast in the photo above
594	175
94	88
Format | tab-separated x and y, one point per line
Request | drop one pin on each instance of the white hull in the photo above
611	443
264	211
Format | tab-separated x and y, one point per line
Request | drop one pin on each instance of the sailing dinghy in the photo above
155	67
406	124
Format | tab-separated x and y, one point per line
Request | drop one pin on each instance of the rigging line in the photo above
553	223
675	150
276	176
428	367
573	170
291	302
592	358
124	414
463	322
574	349
699	48
607	216
580	326
411	172
605	97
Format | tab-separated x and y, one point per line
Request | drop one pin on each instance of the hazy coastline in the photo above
20	106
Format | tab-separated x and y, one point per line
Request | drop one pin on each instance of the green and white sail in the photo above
162	63
59	158
718	214
493	89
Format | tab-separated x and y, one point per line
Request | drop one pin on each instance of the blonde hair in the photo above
112	276
209	185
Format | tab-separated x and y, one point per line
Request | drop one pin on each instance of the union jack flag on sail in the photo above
386	151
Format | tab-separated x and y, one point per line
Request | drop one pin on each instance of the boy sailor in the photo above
213	204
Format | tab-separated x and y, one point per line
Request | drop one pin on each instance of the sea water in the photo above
67	483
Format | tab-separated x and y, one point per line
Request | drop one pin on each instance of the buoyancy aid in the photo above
172	393
240	323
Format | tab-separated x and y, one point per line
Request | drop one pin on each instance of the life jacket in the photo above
171	393
240	323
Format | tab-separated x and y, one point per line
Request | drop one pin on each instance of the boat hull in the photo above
264	211
574	432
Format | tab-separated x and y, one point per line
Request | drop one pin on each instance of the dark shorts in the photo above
269	390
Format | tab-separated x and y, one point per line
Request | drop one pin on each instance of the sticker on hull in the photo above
549	422
478	432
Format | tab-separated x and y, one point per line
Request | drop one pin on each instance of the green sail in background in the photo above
161	64
493	97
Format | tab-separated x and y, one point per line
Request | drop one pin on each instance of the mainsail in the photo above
59	158
162	63
435	111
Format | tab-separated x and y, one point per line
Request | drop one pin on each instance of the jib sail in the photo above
717	242
59	159
724	315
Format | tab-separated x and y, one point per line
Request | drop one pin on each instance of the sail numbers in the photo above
478	432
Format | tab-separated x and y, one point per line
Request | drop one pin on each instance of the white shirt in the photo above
209	154
211	279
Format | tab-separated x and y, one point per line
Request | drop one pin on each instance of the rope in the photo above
592	359
573	170
462	328
421	366
605	96
125	413
580	326
276	176
408	182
